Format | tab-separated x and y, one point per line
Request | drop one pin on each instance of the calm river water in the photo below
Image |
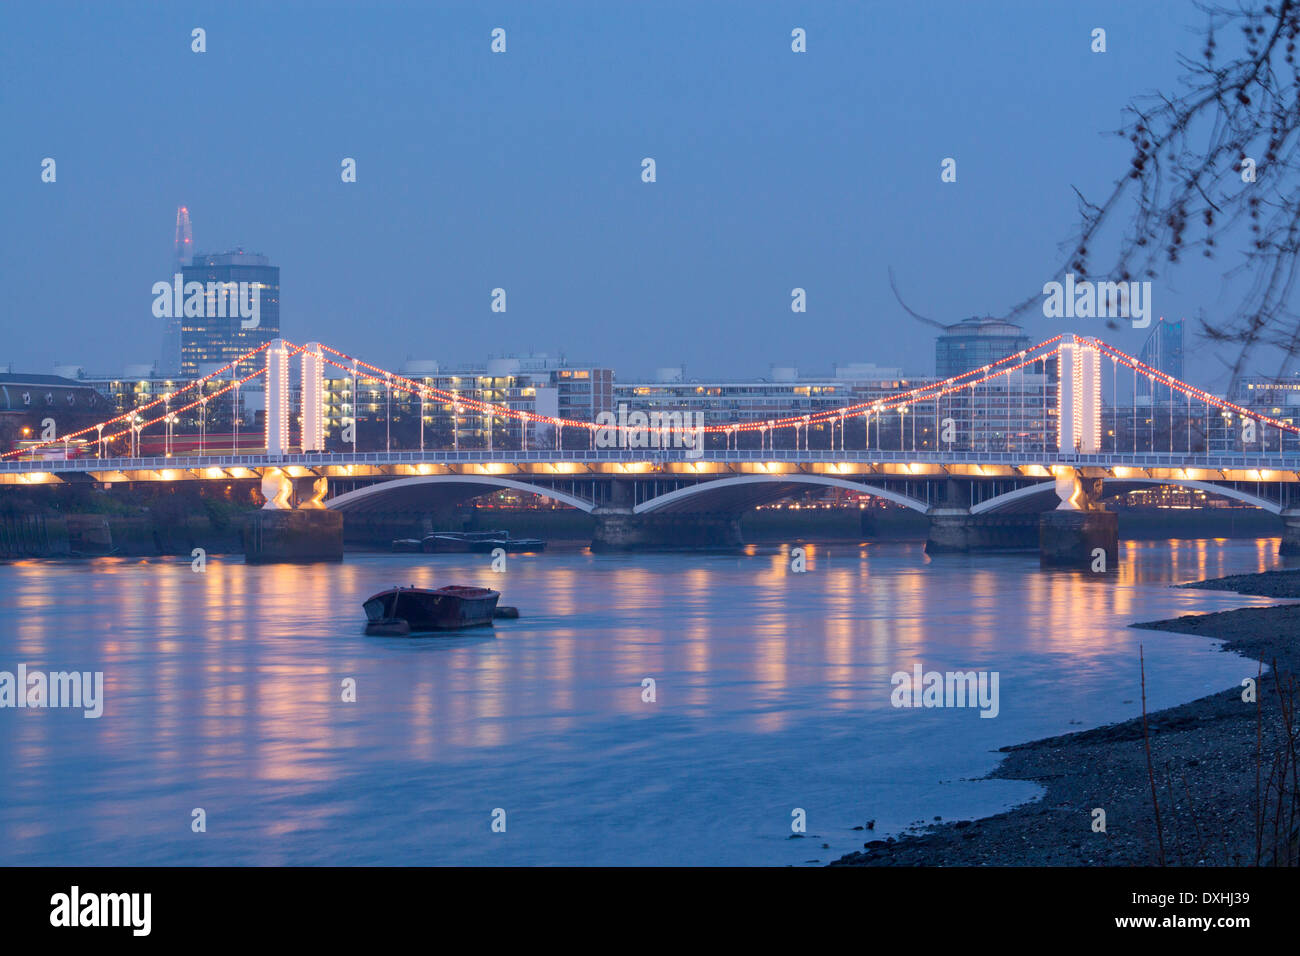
223	691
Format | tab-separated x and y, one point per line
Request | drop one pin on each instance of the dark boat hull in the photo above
438	545
455	542
444	609
511	545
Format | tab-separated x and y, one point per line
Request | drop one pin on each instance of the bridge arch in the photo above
1019	500
414	491
1226	491
743	492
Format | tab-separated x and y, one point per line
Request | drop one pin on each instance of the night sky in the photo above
522	170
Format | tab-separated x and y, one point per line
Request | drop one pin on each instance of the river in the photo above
223	691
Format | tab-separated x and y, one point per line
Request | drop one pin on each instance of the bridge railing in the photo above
1284	461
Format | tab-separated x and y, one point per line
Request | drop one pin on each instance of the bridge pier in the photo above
1290	532
294	537
619	529
1086	540
954	531
280	534
1079	533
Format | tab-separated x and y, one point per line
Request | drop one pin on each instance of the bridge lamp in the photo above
203	421
235	416
137	426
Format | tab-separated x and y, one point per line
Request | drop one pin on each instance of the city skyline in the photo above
208	346
485	186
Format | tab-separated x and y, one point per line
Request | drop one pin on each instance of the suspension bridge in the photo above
993	456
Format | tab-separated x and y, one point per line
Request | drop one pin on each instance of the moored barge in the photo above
430	609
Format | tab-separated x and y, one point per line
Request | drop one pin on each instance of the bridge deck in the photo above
616	462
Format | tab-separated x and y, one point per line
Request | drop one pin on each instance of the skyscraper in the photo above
1008	412
169	363
221	334
1163	351
974	343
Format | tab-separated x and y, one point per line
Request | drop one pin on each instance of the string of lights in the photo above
921	393
901	401
1192	391
163	400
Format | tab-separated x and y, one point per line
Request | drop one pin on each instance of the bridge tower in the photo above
313	401
277	398
1079	397
1079	533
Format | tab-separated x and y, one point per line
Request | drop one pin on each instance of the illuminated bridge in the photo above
987	454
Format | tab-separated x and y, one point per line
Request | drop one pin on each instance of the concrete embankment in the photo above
34	536
56	535
63	536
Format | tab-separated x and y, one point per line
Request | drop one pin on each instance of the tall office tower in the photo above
1006	413
223	332
974	343
169	363
183	245
1163	351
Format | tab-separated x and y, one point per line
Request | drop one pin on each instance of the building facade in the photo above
1163	351
448	413
217	337
974	343
36	408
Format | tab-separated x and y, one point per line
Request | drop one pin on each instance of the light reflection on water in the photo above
223	692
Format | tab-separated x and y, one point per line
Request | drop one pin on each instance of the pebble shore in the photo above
1204	755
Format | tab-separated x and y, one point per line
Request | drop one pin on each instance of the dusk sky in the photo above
522	170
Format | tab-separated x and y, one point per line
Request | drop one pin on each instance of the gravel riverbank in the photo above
1204	754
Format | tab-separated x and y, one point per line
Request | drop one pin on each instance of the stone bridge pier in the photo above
619	527
623	530
1079	533
283	534
957	531
1290	532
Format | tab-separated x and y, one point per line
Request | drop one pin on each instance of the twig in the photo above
1146	740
